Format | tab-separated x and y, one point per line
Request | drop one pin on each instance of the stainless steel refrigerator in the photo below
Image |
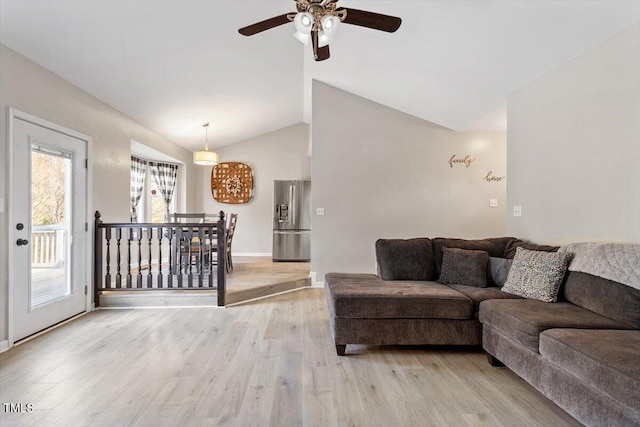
292	220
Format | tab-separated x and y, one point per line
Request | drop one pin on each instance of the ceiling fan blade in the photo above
322	53
376	21
265	25
319	53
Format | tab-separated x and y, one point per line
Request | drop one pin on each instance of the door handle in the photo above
22	242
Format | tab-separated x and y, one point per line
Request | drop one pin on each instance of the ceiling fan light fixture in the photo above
205	157
303	22
330	24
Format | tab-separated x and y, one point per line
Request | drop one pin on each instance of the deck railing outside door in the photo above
47	245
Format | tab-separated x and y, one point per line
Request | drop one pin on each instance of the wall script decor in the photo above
232	182
466	160
491	178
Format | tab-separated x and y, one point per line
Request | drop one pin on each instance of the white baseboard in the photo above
253	254
314	283
4	346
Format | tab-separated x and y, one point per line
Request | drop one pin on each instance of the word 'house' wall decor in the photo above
232	182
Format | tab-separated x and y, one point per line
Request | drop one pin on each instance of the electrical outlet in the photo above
517	211
319	211
493	203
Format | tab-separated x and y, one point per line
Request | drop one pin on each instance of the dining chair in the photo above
189	248
231	229
232	219
188	217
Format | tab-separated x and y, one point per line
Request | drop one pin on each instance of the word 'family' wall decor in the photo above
466	160
232	182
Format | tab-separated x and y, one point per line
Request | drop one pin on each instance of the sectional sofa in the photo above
582	350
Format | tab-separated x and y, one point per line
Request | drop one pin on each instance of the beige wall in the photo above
380	173
28	87
278	155
574	148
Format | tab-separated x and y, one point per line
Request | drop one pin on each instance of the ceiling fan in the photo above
317	21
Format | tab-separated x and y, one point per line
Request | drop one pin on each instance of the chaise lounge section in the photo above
403	304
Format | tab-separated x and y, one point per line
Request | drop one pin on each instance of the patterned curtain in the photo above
138	171
165	175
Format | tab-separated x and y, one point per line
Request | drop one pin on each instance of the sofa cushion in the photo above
464	267
606	297
498	270
494	246
537	274
410	259
375	298
477	295
523	320
607	360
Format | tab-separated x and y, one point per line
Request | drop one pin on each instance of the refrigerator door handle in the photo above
292	203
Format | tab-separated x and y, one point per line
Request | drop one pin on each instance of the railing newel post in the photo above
222	250
97	260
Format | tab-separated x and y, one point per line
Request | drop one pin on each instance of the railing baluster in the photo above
190	276
201	256
139	276
177	255
160	231
129	258
118	259
107	277
171	235
150	271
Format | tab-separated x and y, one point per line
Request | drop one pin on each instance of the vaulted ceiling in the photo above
172	65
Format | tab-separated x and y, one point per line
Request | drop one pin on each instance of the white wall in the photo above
380	173
278	155
574	148
30	88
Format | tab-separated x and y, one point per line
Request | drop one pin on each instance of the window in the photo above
151	205
157	205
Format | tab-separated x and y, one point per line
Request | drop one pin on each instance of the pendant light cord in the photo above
206	136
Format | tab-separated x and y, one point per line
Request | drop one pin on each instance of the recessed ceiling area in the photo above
172	65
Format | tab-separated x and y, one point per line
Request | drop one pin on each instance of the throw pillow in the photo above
537	274
498	270
464	267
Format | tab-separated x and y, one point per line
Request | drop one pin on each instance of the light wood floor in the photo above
255	277
252	272
267	363
252	277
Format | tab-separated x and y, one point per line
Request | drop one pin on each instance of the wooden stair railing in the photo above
149	242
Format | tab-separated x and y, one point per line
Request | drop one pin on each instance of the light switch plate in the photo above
493	203
517	211
319	211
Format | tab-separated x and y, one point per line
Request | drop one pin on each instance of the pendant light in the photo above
205	157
